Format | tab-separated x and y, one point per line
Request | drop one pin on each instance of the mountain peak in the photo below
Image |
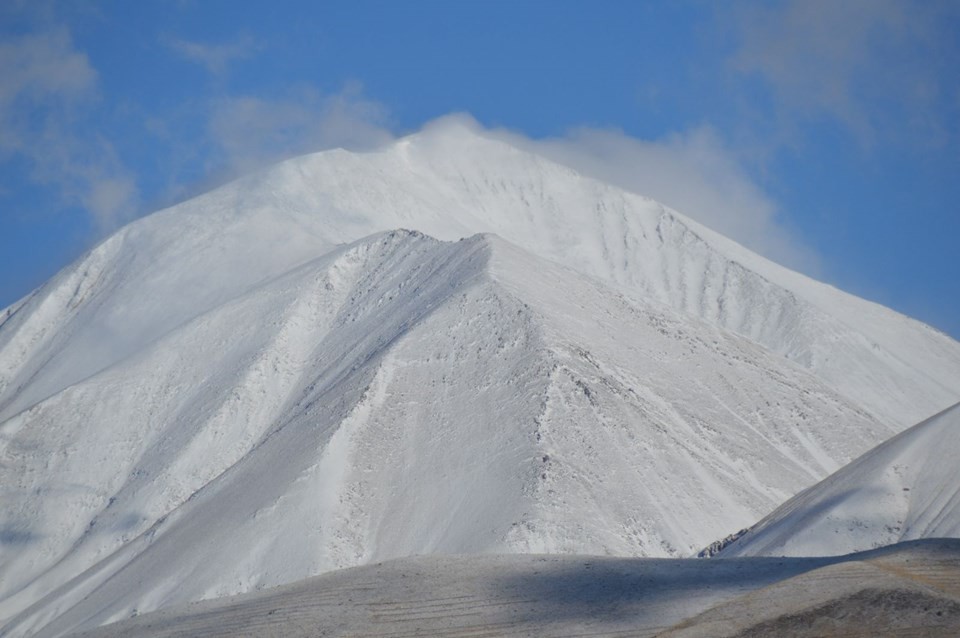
452	128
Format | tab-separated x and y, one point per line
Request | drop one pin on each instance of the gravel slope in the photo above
913	587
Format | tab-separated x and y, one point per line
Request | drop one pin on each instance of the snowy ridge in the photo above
400	396
906	488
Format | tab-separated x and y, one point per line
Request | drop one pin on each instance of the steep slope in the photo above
906	488
451	181
393	397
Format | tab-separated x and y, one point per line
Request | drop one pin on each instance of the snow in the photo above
906	488
267	383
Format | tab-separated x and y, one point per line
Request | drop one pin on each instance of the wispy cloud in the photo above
46	87
40	66
249	132
871	65
216	58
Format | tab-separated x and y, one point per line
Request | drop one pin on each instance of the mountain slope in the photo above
906	488
398	396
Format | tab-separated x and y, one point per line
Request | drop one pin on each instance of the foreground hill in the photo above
904	489
911	589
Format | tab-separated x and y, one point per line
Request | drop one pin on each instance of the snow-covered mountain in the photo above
260	385
451	181
904	489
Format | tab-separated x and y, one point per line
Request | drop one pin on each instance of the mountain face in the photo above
906	488
260	385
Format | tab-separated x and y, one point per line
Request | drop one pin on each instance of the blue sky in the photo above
825	135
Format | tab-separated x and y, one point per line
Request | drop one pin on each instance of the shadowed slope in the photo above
579	596
910	589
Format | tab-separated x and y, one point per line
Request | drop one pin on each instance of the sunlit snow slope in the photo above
257	386
905	489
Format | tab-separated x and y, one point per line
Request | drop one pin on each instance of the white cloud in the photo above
692	172
216	58
46	85
875	66
110	196
39	66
